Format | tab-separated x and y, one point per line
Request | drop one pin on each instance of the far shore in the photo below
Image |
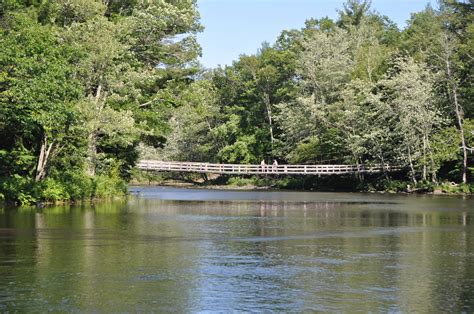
252	187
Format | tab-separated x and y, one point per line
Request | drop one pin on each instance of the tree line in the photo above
355	90
88	87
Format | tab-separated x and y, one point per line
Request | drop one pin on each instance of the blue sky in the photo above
234	27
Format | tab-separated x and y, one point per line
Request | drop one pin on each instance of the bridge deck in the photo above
197	167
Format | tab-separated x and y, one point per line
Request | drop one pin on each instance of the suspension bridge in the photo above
238	169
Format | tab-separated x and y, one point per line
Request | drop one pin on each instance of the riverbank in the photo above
68	189
51	192
319	185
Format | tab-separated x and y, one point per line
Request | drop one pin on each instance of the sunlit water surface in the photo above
179	250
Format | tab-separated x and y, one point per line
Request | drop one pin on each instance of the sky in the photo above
235	27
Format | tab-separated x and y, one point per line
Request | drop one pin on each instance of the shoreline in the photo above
252	187
43	204
225	187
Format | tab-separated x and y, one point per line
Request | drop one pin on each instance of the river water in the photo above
182	250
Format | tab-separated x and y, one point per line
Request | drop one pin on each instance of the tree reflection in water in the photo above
264	251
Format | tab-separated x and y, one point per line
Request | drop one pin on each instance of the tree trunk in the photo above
92	139
384	169
382	159
268	106
459	119
434	176
424	159
412	169
43	158
91	154
453	90
360	175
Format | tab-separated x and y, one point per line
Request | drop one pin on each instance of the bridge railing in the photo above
198	167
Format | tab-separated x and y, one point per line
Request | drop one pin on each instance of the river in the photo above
189	250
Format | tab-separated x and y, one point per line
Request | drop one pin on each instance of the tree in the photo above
353	13
457	47
354	121
38	89
81	83
409	91
442	39
194	125
248	92
324	68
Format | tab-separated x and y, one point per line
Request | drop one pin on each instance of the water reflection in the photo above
333	253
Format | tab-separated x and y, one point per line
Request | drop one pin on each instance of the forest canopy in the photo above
355	90
88	87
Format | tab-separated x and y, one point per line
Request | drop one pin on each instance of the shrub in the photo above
77	185
52	190
108	186
452	188
238	181
17	189
391	185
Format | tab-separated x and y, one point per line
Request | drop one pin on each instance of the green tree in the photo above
443	39
82	82
324	68
354	12
38	91
194	123
249	91
409	90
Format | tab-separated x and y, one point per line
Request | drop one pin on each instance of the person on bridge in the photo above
275	165
262	164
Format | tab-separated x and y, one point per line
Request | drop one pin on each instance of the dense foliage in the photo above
354	90
87	87
82	83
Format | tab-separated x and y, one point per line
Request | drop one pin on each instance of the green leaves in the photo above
81	81
67	12
37	86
